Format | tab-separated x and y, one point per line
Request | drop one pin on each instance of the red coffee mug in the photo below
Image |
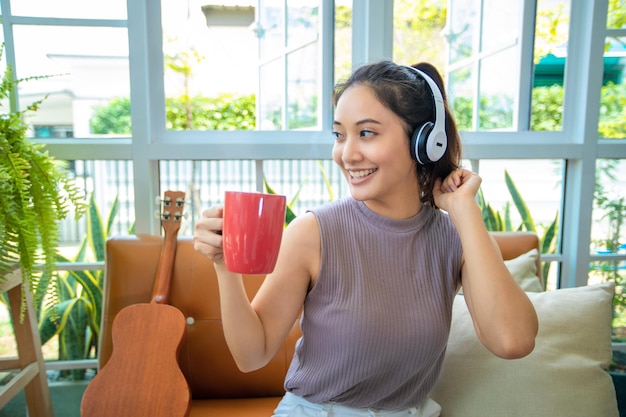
252	231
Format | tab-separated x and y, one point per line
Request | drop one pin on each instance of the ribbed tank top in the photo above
376	323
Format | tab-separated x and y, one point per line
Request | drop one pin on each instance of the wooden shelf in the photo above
31	376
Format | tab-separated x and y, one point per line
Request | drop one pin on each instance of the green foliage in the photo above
35	193
289	213
298	116
495	221
418	25
224	112
495	112
616	17
343	17
546	112
612	123
76	313
113	118
613	207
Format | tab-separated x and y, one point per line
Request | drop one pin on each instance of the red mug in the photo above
252	231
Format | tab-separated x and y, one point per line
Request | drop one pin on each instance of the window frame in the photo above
578	143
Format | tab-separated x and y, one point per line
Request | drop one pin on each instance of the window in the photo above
146	96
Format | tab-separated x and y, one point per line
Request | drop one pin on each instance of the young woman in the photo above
376	273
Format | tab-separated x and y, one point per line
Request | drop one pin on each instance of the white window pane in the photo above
498	90
270	28
463	15
303	88
77	9
271	115
85	67
210	54
612	120
501	23
303	23
550	57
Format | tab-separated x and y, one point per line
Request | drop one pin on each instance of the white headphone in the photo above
429	141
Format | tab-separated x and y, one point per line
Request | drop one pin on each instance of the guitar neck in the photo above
171	216
161	291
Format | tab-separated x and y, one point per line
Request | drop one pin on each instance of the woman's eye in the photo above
337	135
366	132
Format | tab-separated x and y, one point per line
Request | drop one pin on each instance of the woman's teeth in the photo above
362	173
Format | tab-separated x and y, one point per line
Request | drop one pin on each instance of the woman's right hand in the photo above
207	237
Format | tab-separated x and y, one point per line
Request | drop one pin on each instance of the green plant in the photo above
495	221
35	193
612	205
224	112
76	312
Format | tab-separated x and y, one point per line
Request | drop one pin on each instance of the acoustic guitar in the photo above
142	377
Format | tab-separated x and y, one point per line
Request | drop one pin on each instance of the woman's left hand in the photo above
460	186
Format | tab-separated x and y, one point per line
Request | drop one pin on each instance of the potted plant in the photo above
35	193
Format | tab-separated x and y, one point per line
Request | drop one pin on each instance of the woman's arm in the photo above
504	318
255	330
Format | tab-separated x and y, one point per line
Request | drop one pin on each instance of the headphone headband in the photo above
429	142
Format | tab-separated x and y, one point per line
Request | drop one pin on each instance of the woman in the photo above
376	273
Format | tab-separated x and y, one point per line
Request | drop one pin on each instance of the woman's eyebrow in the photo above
360	122
368	120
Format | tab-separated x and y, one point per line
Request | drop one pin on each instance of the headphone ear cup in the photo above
419	140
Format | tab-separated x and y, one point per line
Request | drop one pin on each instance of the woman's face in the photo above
372	149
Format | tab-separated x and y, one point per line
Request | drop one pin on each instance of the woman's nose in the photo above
351	150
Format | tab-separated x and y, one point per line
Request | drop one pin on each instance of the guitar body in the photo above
142	377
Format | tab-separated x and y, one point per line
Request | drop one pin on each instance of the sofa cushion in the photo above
524	270
563	377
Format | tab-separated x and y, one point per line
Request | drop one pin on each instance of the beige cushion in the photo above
563	377
524	270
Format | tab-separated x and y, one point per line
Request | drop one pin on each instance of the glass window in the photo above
293	92
418	32
524	194
343	39
303	22
484	72
498	89
616	17
608	236
550	56
303	88
216	55
612	119
461	95
108	186
462	29
210	61
76	9
83	69
500	25
306	183
609	216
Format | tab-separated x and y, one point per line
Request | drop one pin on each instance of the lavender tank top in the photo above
376	323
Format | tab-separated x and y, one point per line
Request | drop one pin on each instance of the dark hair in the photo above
407	94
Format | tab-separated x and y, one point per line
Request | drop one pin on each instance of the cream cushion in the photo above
524	270
563	377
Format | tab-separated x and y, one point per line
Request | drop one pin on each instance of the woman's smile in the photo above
361	174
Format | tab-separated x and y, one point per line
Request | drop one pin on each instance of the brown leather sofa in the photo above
218	387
